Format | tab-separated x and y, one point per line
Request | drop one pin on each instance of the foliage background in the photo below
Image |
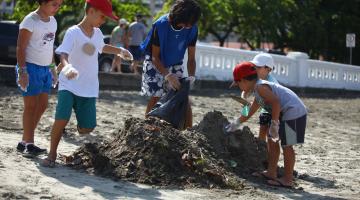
317	27
72	12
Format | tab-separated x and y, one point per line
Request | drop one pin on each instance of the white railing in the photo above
295	69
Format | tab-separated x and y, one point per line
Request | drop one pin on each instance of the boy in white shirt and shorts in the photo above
78	79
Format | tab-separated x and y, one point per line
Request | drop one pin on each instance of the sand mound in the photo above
151	151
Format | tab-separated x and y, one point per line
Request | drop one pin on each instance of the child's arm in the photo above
65	67
64	60
23	41
125	54
253	108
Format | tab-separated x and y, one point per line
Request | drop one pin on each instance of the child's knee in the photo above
84	130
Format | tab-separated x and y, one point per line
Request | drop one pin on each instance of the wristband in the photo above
52	65
22	70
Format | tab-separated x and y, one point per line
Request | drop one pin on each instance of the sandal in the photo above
262	175
47	162
278	183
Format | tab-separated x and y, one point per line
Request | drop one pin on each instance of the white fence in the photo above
295	69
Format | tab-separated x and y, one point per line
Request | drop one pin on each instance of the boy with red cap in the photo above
288	121
78	79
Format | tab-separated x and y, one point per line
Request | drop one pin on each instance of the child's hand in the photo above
23	78
191	79
173	81
233	126
125	54
274	130
54	78
70	72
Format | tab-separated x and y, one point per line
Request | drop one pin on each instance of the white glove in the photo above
125	54
233	126
274	130
173	81
70	72
55	78
191	79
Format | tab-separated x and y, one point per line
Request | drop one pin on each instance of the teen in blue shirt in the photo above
165	46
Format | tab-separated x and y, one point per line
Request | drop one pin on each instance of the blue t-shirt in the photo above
173	43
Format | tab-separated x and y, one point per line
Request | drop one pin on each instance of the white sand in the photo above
329	160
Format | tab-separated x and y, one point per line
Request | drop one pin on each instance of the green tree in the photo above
72	11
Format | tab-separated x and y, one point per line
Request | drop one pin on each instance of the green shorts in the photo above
84	107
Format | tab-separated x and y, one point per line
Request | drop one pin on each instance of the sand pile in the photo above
151	151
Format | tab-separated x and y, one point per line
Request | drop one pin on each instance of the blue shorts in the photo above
292	131
40	79
136	52
153	83
84	107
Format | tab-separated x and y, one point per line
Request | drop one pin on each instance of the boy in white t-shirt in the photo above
78	79
34	75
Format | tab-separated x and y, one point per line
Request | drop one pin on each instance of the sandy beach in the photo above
328	163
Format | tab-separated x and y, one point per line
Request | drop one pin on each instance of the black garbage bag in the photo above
173	105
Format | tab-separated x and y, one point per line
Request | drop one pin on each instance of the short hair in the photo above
185	11
251	77
42	1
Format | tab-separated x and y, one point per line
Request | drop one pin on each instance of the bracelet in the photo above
22	70
52	65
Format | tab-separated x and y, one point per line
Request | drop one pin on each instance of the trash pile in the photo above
150	151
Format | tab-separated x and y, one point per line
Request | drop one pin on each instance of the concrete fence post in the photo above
302	66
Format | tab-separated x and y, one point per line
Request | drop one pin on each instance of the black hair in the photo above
42	1
251	77
185	11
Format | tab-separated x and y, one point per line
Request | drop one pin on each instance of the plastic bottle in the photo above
245	111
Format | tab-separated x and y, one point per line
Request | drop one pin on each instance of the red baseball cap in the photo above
242	70
104	6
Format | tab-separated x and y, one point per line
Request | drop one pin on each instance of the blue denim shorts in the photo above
40	79
153	83
84	107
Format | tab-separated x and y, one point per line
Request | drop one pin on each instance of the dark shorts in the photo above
265	119
292	131
84	107
153	83
136	52
40	79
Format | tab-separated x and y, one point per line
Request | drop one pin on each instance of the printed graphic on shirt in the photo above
48	37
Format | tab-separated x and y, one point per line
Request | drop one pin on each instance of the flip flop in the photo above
261	175
47	162
278	183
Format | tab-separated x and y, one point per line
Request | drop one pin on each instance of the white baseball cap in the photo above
123	21
263	59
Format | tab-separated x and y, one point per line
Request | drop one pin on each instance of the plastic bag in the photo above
173	105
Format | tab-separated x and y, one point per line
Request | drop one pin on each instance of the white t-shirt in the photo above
87	85
41	44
